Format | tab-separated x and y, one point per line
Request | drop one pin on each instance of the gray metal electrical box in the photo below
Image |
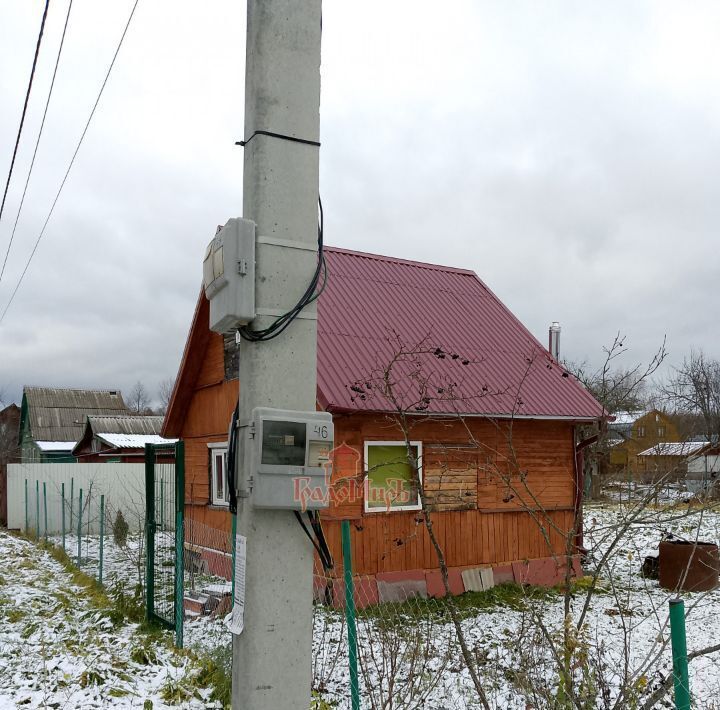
290	458
229	276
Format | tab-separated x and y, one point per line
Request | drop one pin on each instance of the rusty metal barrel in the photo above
689	566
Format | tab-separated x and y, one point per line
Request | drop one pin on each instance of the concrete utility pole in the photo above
272	657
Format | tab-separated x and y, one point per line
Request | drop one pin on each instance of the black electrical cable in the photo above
37	142
231	459
314	517
312	293
72	161
25	105
320	546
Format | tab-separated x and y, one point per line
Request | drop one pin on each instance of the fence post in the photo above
679	654
27	521
62	499
79	532
102	536
179	541
149	531
45	507
162	504
72	496
350	615
88	505
37	509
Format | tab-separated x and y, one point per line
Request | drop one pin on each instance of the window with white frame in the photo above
391	483
219	494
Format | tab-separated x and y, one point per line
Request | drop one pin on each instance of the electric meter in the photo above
290	459
229	276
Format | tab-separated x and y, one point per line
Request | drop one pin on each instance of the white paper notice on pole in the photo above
235	620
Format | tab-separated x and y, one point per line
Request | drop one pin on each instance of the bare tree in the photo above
165	390
139	399
618	389
694	388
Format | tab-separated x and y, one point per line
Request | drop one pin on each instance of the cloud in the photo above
564	151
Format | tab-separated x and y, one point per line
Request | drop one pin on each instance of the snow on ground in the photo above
124	568
407	652
57	650
626	624
634	491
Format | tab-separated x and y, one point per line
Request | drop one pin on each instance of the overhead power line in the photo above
37	142
25	105
72	161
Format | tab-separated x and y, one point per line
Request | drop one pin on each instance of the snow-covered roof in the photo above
55	445
674	448
625	418
133	441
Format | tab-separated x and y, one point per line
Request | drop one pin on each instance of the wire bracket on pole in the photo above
282	136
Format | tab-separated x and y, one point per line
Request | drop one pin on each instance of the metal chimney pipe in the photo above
554	340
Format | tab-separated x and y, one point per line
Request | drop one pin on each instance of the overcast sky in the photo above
566	151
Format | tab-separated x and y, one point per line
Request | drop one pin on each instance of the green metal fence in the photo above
164	534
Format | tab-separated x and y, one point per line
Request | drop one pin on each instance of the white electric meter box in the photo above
290	460
229	276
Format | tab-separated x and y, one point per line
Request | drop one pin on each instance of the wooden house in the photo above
492	417
636	432
9	451
52	420
121	439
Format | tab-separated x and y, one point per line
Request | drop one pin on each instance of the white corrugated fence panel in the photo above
123	485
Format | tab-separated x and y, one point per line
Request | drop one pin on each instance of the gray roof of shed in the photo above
125	424
57	414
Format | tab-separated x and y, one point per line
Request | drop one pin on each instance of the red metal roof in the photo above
467	353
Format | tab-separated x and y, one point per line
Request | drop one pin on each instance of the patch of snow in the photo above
134	441
56	445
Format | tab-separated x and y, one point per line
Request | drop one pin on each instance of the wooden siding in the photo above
391	542
492	466
502	491
207	421
206	522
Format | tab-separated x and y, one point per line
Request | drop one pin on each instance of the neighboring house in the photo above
668	461
636	432
52	420
500	458
121	439
704	470
9	451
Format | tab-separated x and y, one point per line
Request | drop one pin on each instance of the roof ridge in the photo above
115	390
124	416
398	260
